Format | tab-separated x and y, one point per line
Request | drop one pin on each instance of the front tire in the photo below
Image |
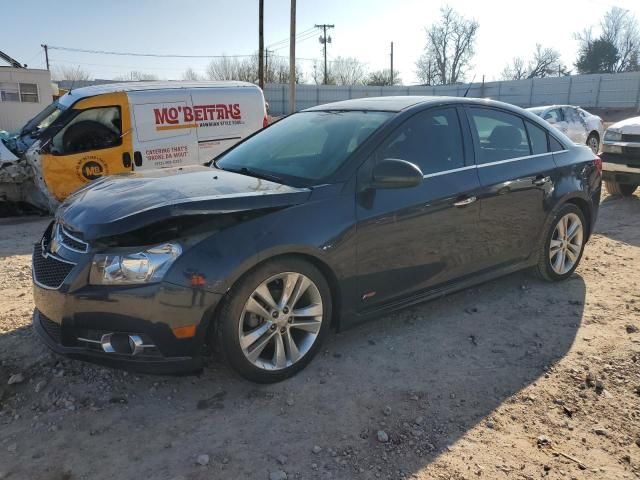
620	189
274	320
563	245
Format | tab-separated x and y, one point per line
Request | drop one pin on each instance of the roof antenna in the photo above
465	93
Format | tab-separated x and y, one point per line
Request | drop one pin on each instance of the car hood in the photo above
630	126
122	203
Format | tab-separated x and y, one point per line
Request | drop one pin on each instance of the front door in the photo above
95	142
413	239
517	174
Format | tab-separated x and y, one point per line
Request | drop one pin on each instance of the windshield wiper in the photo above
253	173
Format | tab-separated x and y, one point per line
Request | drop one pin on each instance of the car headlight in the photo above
147	266
612	136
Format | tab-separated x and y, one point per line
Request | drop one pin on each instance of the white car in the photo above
576	123
621	157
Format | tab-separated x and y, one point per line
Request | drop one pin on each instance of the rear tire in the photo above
563	244
267	335
620	189
593	142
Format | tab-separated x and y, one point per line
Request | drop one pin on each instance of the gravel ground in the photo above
515	379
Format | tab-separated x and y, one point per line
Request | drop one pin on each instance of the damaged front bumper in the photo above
140	327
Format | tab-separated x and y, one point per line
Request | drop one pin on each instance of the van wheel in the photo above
274	320
621	189
563	245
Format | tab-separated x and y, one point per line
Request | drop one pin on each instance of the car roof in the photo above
93	90
404	102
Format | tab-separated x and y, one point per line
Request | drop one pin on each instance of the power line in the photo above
137	54
298	40
286	40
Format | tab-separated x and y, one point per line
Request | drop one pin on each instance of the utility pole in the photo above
261	44
46	54
391	65
292	59
324	40
266	64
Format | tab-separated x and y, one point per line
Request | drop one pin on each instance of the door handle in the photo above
126	160
540	180
464	201
137	159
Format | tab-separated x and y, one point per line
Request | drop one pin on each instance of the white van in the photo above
106	129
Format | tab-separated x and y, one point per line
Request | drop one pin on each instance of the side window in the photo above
431	139
537	138
555	115
500	135
91	129
555	145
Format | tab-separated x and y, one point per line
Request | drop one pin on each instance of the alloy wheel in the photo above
566	243
280	321
593	143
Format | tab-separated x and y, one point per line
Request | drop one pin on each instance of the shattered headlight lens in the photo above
612	136
147	266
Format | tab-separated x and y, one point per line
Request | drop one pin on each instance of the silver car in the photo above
576	123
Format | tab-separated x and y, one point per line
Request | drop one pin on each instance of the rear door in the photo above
413	239
516	174
165	131
576	126
224	116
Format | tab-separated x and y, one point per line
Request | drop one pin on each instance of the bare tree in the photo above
233	68
348	71
277	70
136	76
620	28
74	74
317	74
190	74
516	70
545	62
382	78
449	49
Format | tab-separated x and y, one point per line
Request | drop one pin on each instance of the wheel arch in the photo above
584	206
320	264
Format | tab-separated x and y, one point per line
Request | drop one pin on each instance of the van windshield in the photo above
303	148
41	121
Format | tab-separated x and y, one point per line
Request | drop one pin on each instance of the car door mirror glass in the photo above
395	173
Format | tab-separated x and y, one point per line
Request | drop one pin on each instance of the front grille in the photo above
49	271
628	137
52	328
72	242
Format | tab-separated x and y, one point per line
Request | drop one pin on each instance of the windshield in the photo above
305	147
45	118
537	111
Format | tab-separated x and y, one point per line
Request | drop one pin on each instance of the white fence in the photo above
621	90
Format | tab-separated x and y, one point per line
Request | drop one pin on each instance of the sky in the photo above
363	29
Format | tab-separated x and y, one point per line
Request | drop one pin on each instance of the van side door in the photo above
224	116
165	129
96	141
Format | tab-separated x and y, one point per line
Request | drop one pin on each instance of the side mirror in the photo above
395	173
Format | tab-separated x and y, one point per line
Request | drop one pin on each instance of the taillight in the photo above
597	162
265	121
